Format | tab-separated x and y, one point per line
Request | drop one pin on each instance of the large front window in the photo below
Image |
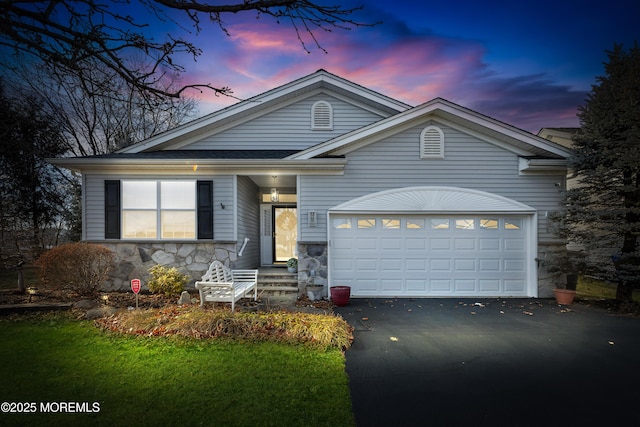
159	208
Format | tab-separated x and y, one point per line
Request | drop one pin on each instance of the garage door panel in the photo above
343	265
416	285
440	265
515	286
387	243
342	243
365	265
441	285
430	255
416	265
516	265
392	265
394	285
464	244
439	243
489	244
468	264
489	286
415	244
465	285
514	244
489	265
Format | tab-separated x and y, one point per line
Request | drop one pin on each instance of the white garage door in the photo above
430	255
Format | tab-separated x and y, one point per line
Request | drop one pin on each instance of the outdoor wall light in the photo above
312	218
275	196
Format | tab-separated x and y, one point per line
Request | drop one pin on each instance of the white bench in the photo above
220	284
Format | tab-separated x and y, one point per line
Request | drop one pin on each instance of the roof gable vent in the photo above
432	143
321	116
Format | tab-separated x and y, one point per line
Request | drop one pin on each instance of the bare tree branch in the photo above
74	35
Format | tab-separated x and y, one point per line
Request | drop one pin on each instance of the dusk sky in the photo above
529	64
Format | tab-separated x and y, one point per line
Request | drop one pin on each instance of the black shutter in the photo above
112	209
205	209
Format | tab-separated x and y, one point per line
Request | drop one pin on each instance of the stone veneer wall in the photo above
312	266
133	260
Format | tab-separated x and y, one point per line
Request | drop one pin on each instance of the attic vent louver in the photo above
432	143
321	116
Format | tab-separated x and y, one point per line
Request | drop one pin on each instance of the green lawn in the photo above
166	381
596	289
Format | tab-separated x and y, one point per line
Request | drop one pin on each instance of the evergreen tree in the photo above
603	211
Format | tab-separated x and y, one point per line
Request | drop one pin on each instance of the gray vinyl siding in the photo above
248	223
223	192
395	163
289	128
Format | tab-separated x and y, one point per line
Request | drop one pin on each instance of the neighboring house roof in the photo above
520	142
562	136
248	109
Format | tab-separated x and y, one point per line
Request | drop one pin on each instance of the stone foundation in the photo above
133	260
312	266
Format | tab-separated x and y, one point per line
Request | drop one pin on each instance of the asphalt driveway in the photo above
498	362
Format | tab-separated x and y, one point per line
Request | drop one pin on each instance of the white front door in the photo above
279	233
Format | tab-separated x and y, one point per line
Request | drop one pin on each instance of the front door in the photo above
285	226
279	233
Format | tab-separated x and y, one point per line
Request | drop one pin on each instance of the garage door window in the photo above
465	224
391	224
488	224
342	223
366	223
513	224
439	223
415	224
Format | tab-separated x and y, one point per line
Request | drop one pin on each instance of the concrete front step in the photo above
278	283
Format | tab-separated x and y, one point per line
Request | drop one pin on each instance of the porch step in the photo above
273	282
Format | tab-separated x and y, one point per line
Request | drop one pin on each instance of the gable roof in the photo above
248	109
520	142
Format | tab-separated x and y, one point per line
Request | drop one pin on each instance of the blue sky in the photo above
529	64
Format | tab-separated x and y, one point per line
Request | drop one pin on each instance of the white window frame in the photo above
159	209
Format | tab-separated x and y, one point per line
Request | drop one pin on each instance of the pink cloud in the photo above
411	68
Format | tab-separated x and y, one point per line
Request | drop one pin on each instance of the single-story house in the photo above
366	191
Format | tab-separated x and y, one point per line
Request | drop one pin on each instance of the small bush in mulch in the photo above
317	330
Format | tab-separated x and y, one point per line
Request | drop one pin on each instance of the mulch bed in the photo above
123	300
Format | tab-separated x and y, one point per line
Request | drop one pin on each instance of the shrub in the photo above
315	330
168	281
80	267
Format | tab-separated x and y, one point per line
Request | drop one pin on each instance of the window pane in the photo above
178	224
341	222
464	224
391	223
489	224
178	194
440	224
512	224
415	224
366	223
139	224
139	195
